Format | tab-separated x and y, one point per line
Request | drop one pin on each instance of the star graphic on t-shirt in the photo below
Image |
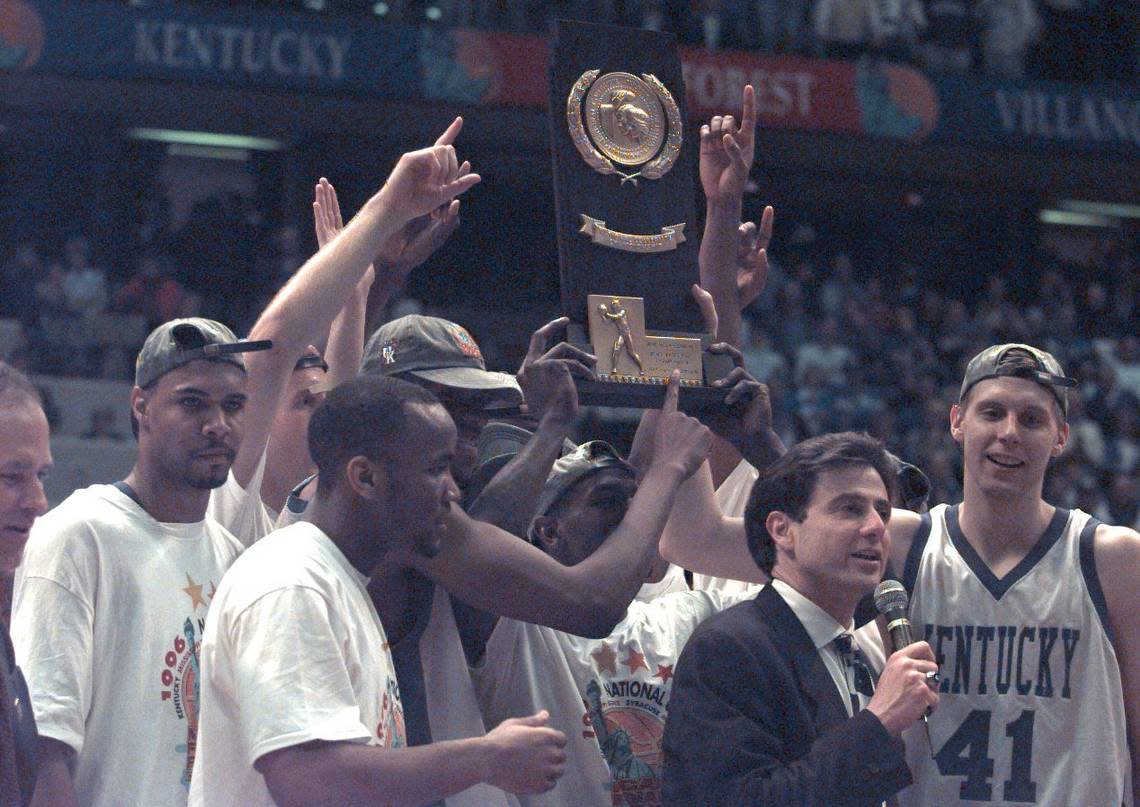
605	659
635	661
194	592
213	590
664	673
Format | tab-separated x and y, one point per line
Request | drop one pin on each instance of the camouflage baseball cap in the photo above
181	341
569	470
436	350
1046	371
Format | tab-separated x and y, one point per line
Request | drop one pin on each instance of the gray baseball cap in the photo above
181	341
585	460
1046	371
436	350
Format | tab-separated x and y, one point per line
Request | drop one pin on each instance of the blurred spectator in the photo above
18	279
1123	357
840	286
1124	501
784	25
154	294
842	27
1086	437
895	26
1122	448
761	359
84	286
826	354
815	401
102	426
949	33
857	405
1009	28
1068	50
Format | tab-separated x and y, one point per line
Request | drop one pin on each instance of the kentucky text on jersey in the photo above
989	659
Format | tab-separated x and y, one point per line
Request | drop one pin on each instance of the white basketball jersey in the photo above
1031	710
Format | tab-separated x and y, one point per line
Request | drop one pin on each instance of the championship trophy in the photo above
623	189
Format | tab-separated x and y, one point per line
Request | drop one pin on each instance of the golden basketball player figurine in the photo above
616	314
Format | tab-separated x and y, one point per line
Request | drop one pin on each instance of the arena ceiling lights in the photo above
1081	213
206	144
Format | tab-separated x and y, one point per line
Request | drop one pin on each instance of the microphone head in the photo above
890	596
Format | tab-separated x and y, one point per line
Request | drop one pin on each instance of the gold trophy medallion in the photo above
620	118
624	118
635	123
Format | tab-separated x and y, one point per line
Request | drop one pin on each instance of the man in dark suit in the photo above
772	700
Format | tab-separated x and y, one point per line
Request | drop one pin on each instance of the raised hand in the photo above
727	152
749	414
680	439
328	223
426	179
526	755
547	376
326	213
422	236
752	258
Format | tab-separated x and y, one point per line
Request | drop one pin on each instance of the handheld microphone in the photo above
891	601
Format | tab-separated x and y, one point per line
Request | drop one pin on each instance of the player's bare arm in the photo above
421	182
521	755
495	571
1117	554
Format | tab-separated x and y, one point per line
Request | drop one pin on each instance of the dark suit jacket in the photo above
755	718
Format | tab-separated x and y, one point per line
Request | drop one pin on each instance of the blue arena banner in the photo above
267	50
252	49
1038	115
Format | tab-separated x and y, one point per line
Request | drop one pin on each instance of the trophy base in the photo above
644	395
649	393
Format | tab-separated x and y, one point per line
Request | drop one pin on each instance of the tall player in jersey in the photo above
1030	609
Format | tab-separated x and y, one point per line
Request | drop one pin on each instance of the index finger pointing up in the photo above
672	393
450	133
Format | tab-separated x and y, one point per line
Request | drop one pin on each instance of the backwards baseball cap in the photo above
436	350
181	341
585	460
1046	371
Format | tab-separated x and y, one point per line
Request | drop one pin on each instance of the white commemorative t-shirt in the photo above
293	652
107	623
1031	708
241	510
609	695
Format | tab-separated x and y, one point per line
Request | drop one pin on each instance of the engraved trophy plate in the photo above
664	354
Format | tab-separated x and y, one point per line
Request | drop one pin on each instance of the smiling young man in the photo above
25	459
301	701
772	703
1030	609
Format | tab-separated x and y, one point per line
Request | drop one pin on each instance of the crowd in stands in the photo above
840	346
1066	40
841	349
